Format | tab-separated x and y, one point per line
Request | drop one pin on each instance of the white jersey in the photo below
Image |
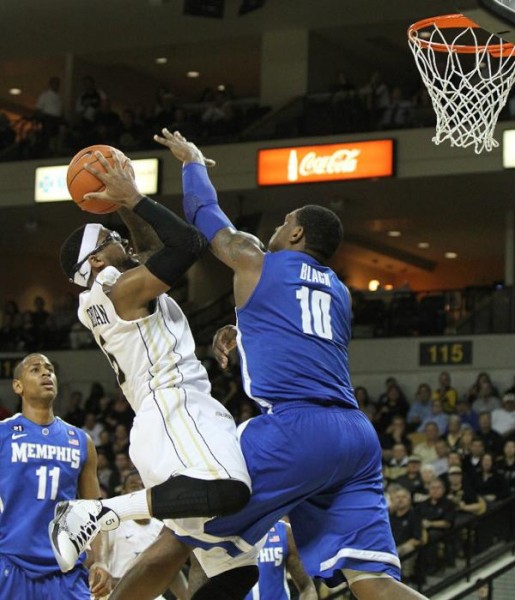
127	542
149	354
179	428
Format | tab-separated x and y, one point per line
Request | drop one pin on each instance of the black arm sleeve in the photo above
183	243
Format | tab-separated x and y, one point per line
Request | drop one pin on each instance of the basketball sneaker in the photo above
75	524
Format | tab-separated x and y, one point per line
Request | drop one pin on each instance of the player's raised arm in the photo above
238	250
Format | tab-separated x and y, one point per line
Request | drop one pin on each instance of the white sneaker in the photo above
76	523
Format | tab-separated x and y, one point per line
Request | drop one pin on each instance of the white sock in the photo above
129	506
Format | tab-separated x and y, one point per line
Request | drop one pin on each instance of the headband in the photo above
88	244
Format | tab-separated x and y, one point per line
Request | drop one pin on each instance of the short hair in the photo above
323	229
70	249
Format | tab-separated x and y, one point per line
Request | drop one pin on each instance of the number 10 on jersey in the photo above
315	307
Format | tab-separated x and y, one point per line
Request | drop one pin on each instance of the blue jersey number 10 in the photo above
315	307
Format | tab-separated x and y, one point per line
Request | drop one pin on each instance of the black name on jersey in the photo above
97	315
308	273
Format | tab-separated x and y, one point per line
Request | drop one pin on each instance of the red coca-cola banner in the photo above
330	162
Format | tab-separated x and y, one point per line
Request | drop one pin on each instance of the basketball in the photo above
81	182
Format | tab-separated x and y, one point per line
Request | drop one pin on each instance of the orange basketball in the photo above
81	182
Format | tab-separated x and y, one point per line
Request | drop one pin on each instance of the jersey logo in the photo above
15	436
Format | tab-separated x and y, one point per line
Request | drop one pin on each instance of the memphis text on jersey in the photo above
25	451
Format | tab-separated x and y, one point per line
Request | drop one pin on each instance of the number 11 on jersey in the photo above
315	307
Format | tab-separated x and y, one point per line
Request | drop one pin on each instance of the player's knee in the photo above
230	585
182	497
228	496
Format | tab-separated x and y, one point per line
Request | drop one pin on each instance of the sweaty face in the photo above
117	254
281	237
36	379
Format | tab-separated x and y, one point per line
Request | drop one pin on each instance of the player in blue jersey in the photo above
42	460
313	454
277	557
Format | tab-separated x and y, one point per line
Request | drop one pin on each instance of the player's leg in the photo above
154	569
198	443
367	586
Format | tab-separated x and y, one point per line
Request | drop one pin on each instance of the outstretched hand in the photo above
118	178
223	342
183	150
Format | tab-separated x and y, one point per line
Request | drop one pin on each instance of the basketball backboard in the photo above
496	16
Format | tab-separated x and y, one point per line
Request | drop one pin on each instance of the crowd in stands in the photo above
215	117
447	456
218	115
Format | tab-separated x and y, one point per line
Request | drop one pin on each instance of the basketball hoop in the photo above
468	73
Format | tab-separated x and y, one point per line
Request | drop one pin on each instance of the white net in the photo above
468	80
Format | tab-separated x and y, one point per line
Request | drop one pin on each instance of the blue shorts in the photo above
321	465
15	584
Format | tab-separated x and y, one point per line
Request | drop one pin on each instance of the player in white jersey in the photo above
183	442
127	542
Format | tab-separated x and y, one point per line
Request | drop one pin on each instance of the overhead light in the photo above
193	74
221	88
423	244
388	286
15	91
451	255
373	285
394	233
162	60
425	35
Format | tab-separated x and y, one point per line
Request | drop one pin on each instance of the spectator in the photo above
486	399
437	416
428	475
426	449
377	97
96	391
88	102
454	460
122	467
120	412
120	441
474	389
362	397
218	117
49	110
105	446
466	414
492	440
392	404
64	315
397	113
92	428
420	408
104	470
437	514
412	480
131	134
7	135
503	419
406	529
27	340
397	435
446	393
472	461
454	432
10	326
506	465
108	124
398	463
488	482
466	501
75	414
441	463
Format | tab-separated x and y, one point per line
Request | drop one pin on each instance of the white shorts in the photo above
183	432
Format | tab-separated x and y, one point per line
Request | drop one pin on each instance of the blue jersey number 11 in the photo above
315	307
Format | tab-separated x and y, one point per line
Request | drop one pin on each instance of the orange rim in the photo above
456	21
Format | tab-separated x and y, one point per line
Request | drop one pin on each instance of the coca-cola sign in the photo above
303	164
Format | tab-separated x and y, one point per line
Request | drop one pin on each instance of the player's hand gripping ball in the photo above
80	182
